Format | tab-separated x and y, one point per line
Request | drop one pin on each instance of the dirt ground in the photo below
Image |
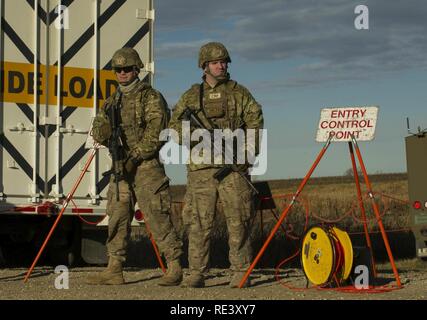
141	284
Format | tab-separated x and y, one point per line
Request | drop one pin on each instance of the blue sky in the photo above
297	57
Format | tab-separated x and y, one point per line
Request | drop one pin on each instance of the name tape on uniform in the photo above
342	122
17	84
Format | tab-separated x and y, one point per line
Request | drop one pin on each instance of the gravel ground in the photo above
142	284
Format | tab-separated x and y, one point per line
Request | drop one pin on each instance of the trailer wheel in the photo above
63	256
68	254
2	259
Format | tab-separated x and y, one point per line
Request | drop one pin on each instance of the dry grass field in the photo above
328	200
324	199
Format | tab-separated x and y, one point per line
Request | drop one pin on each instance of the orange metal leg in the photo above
277	219
362	208
377	213
64	206
285	212
156	250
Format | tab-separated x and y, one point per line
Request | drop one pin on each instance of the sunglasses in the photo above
125	69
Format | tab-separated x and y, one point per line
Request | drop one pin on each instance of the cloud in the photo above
179	49
321	33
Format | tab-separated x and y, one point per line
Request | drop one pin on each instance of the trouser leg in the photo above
237	200
153	196
203	202
120	216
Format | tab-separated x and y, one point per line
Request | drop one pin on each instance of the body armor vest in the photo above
220	107
132	116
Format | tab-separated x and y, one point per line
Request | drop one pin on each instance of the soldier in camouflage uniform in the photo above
220	103
143	113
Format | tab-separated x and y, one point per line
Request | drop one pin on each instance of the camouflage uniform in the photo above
226	105
148	183
143	114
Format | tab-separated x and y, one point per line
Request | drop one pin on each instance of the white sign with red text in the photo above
341	123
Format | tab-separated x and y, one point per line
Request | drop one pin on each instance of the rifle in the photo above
115	144
189	115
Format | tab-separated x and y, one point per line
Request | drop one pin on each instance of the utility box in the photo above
55	60
416	159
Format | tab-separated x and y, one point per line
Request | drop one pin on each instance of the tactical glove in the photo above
140	154
101	129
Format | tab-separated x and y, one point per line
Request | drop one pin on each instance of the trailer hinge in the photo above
149	67
94	199
35	198
34	193
58	196
71	130
2	196
11	164
20	127
145	14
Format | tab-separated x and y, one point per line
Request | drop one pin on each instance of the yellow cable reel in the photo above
327	255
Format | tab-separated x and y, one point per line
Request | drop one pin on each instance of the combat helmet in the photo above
126	57
213	51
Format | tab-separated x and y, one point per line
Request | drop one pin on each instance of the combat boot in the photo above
173	276
113	274
236	278
194	280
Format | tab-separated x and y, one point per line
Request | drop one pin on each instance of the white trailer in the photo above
52	53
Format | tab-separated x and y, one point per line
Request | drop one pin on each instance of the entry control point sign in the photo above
341	123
